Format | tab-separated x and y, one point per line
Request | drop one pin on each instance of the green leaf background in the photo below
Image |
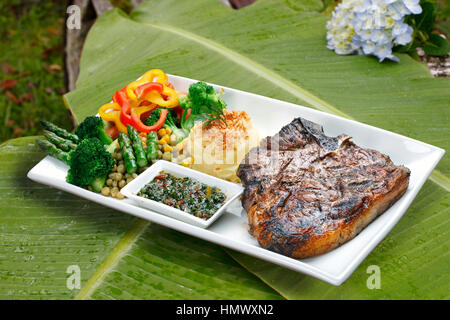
273	48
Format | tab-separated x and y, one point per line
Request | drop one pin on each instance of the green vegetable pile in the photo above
89	151
90	164
170	122
201	104
84	151
204	103
93	127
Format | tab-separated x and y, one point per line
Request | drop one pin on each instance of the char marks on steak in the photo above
307	193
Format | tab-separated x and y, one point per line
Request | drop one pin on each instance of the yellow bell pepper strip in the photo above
139	111
154	75
108	116
156	97
111	112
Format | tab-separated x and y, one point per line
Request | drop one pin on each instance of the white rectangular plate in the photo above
230	230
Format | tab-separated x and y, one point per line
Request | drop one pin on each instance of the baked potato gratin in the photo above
217	148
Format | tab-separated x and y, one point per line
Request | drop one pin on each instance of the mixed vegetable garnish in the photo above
186	194
144	123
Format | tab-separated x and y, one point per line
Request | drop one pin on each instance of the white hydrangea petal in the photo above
413	6
393	58
382	51
399	28
378	36
368	47
405	37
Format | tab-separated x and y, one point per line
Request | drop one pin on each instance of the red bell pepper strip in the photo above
122	100
114	97
141	127
145	88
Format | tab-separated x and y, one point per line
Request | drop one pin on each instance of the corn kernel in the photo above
161	132
186	162
167	148
168	131
165	139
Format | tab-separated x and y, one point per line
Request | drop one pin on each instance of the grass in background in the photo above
31	59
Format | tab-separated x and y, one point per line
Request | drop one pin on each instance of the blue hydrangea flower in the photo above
370	27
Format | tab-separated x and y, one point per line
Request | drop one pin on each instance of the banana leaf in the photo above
273	48
45	232
278	49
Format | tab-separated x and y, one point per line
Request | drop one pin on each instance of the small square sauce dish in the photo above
231	190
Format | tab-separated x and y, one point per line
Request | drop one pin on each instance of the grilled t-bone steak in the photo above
307	193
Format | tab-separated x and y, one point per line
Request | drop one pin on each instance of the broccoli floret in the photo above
153	117
169	123
93	127
204	102
90	164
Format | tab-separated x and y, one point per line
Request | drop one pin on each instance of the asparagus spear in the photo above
152	146
63	144
127	153
60	131
53	150
137	146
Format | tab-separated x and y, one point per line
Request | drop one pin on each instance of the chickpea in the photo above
175	151
106	191
160	154
173	140
129	180
122	183
119	196
121	168
109	182
114	192
114	183
114	169
118	176
167	156
134	175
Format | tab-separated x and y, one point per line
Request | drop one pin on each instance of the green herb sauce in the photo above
186	194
